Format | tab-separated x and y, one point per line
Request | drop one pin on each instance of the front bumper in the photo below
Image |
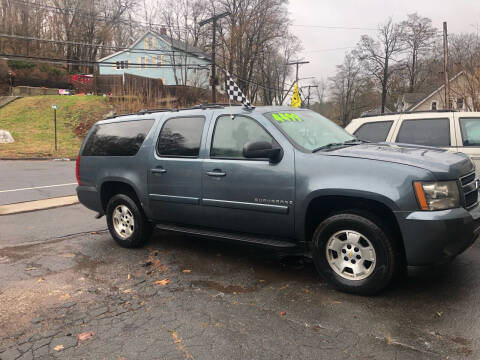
433	236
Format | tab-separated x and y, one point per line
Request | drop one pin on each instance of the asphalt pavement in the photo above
83	297
24	180
39	226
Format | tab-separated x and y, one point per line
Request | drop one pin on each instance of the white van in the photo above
457	131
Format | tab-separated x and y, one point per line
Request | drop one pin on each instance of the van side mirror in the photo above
262	150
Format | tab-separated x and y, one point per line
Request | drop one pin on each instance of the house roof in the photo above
176	44
413	97
435	91
375	111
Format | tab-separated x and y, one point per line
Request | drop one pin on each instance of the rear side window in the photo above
430	132
470	128
118	138
181	137
374	131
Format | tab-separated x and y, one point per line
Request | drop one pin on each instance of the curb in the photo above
28	206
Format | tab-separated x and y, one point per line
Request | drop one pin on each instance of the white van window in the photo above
429	132
374	131
470	128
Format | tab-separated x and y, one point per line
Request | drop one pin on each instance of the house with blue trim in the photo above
156	55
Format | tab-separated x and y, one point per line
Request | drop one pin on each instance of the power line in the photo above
109	47
92	63
331	49
90	15
333	27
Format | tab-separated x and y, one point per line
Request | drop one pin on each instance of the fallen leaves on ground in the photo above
154	264
283	313
162	282
187	271
85	336
41	280
58	348
65	297
129	276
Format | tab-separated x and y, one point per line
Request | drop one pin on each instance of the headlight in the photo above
438	195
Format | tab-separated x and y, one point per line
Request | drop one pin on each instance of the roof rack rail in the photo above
200	106
410	112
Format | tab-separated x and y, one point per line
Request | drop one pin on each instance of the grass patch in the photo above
30	121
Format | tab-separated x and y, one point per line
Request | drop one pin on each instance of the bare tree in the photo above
378	55
465	50
418	36
346	86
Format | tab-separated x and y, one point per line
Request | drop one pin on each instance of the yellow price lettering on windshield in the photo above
290	117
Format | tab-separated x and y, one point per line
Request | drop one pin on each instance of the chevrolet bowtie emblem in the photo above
350	254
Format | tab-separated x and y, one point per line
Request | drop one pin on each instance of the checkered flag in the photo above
234	92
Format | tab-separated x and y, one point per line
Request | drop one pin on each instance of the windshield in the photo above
309	129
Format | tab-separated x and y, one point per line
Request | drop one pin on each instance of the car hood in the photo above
444	164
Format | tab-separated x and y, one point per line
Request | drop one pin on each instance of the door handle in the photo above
216	173
158	171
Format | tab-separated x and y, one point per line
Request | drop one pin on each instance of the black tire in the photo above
388	256
142	229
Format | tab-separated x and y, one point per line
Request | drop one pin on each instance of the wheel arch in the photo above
113	187
323	205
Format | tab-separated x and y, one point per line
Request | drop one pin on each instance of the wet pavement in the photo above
189	298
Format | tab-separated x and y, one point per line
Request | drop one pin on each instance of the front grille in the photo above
469	190
467	179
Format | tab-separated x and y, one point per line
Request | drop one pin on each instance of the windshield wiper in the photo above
345	143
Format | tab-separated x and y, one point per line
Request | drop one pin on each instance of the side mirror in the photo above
262	150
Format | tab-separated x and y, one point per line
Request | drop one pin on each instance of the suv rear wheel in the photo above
354	253
126	222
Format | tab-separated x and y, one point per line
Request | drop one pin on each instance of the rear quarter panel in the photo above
96	170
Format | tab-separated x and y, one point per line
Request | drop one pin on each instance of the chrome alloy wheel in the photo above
351	255
123	221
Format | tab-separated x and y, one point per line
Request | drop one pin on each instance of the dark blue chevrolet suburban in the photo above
282	178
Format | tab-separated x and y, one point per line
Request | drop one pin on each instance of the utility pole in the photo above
297	63
55	107
213	20
445	66
308	98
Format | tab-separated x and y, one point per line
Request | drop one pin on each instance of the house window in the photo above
143	61
163	59
154	60
434	105
450	104
151	43
460	103
118	65
145	43
126	64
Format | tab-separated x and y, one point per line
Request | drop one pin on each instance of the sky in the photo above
461	16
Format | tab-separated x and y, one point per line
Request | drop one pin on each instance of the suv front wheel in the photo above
126	222
354	254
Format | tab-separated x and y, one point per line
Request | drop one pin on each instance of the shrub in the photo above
19	64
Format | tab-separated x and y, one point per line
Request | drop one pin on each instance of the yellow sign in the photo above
296	101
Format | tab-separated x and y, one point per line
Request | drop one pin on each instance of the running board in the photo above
249	239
